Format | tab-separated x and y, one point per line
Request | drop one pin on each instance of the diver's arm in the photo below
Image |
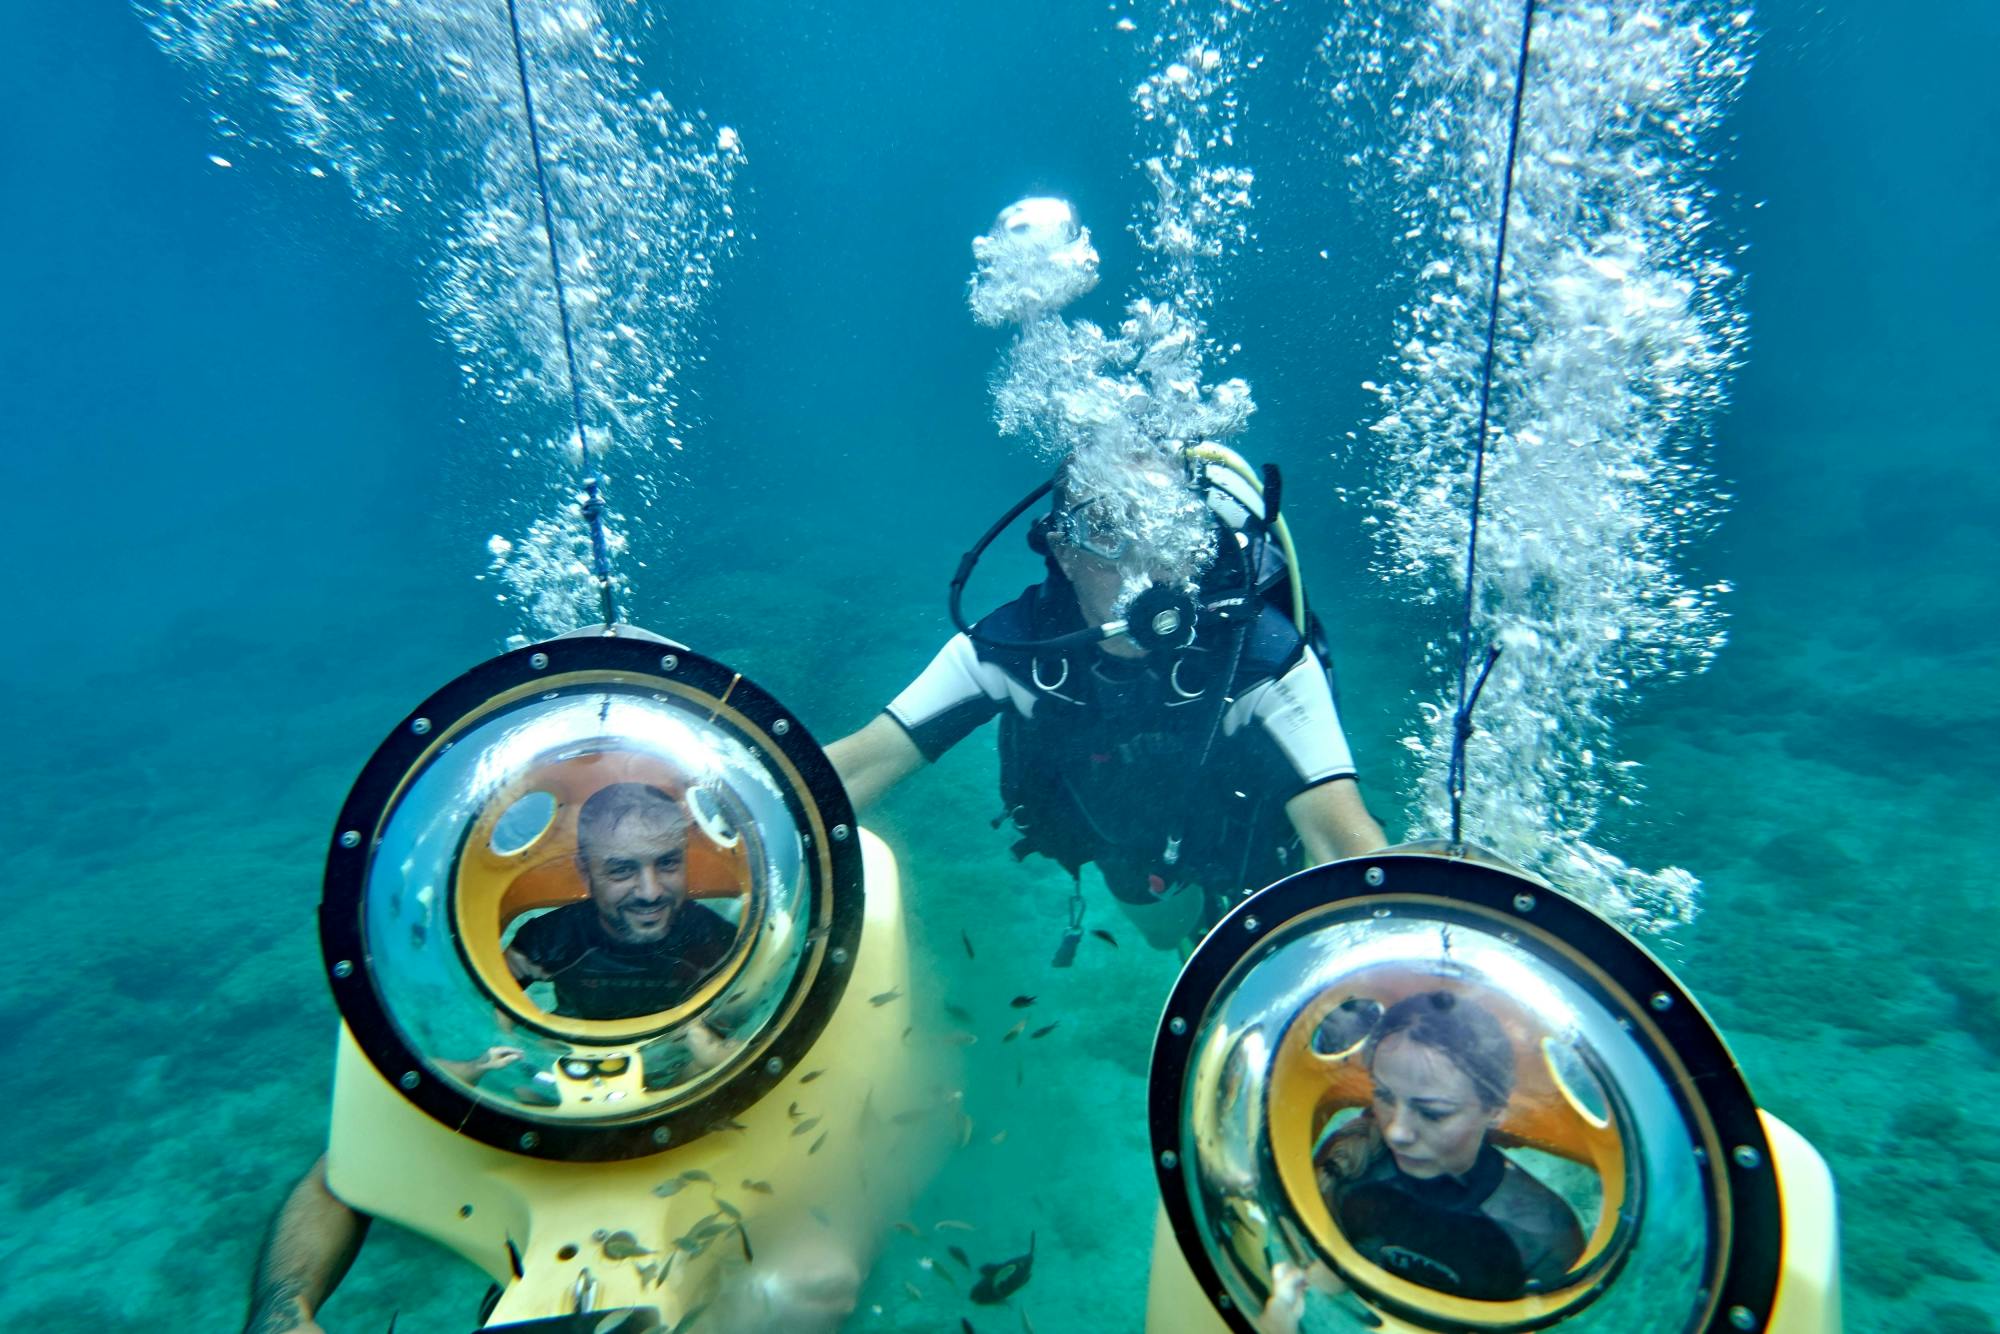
873	760
1333	821
311	1243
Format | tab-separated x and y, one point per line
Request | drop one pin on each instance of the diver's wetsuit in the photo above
1490	1235
1098	752
597	977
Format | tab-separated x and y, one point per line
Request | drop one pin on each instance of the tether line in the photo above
593	501
1462	720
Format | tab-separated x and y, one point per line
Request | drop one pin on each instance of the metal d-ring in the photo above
1035	671
1174	680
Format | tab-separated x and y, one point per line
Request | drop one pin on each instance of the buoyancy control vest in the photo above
1121	761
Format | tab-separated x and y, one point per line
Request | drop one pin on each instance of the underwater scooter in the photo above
715	1133
647	1164
1694	1209
1423	1090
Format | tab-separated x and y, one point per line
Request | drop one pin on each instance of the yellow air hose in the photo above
1210	452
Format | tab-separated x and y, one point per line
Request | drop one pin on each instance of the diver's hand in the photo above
494	1058
469	1072
1287	1306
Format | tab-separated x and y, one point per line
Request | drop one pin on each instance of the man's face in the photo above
1097	582
637	872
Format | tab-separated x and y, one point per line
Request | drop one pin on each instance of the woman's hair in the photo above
1470	1037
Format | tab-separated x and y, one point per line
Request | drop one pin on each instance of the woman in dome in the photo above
1415	1181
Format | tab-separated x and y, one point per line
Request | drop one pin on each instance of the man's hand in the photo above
282	1314
311	1243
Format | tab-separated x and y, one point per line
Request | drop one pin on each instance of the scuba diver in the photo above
1179	733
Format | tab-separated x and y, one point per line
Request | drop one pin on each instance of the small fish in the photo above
743	1235
1105	936
816	1143
1027	1325
939	1272
810	1075
805	1127
958	1253
1043	1031
392	1321
710	1231
965	1326
916	1293
907	1228
1015	1031
952	1225
907	1031
882	998
959	1013
1022	1002
666	1190
998	1282
761	1187
728	1210
647	1273
820	1216
958	1039
728	1123
966	941
964	1130
696	1174
794	1112
999	1137
622	1246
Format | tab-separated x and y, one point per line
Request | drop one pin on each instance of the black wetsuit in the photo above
597	977
1491	1235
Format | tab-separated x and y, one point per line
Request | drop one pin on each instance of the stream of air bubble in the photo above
1620	322
1117	406
415	108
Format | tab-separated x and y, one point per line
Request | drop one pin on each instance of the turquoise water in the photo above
250	494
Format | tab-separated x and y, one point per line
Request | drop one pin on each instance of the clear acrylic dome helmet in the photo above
1615	1097
464	827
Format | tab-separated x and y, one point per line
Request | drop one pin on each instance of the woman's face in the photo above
1428	1109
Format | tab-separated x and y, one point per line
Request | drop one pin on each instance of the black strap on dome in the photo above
593	500
1461	731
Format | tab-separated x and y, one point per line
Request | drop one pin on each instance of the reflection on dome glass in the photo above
1346	1026
522	823
589	904
1431	1109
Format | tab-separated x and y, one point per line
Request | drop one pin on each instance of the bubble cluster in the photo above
1619	323
415	107
1117	409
